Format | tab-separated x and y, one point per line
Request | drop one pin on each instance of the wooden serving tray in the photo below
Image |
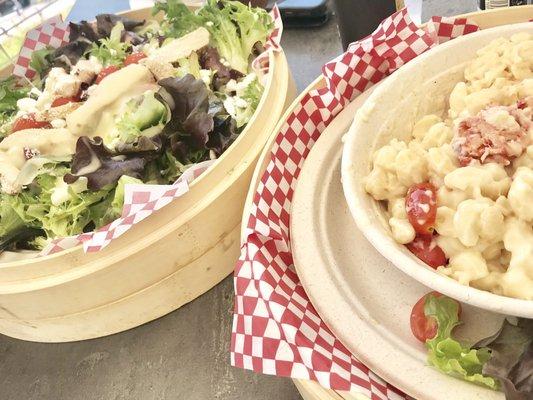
162	263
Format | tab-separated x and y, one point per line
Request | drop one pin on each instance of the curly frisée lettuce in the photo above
111	51
10	93
235	28
51	208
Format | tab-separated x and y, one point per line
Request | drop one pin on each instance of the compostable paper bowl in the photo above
420	87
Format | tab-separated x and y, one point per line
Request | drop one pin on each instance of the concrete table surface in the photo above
184	355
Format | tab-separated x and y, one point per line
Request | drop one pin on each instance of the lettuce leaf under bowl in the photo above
501	361
512	358
449	355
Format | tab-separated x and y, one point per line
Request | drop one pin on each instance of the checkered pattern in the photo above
272	43
443	29
53	32
276	330
140	201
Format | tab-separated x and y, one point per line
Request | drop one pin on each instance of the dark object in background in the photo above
302	13
255	3
359	18
8	6
491	4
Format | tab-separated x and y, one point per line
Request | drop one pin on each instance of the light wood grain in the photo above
165	261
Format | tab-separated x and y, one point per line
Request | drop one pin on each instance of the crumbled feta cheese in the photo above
229	105
86	70
61	84
231	86
27	105
206	75
246	81
240	102
35	93
58	123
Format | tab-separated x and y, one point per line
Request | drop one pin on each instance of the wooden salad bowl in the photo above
164	262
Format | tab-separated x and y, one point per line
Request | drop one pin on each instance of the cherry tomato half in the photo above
423	327
28	121
134	58
61	101
106	72
421	207
427	250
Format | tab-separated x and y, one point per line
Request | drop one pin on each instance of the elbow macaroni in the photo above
484	217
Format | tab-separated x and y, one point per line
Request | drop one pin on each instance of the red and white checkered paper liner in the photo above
53	32
276	329
140	201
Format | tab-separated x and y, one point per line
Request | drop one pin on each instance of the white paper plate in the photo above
361	296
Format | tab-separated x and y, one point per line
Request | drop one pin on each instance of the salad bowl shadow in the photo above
162	263
419	88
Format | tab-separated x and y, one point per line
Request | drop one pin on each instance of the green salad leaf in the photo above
144	116
58	209
512	358
10	93
449	355
111	51
178	18
235	28
189	65
40	60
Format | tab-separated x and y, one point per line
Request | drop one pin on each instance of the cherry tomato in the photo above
61	101
421	207
427	250
423	327
134	58
28	121
105	72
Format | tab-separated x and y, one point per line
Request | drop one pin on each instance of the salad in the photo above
124	101
503	361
